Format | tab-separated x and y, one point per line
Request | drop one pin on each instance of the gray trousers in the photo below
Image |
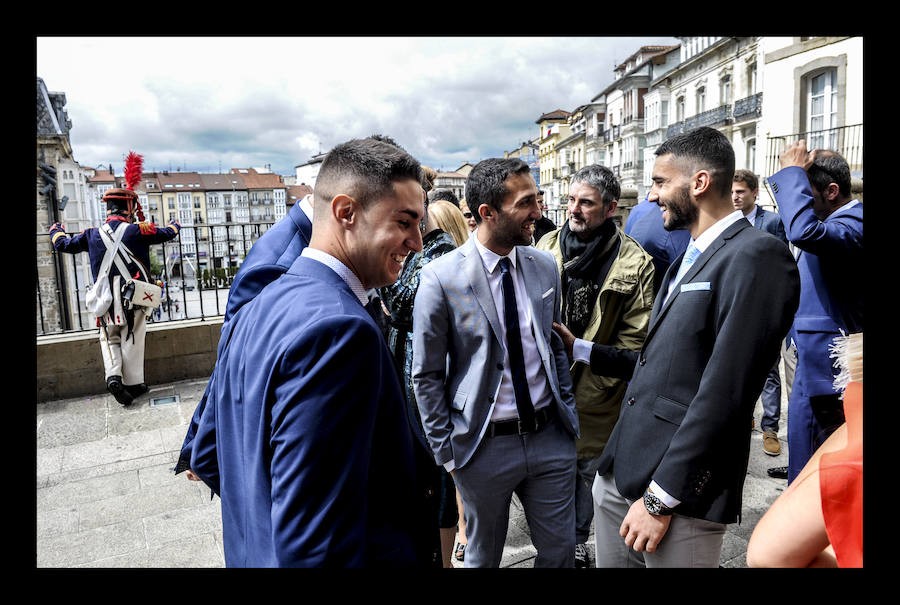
688	542
538	468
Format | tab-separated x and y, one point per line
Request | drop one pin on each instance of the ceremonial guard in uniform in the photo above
122	320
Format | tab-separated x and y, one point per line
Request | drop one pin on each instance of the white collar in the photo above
341	269
490	258
715	230
844	208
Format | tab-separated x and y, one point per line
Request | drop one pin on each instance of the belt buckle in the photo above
519	428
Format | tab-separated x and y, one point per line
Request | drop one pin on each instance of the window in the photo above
679	109
664	115
751	155
822	106
725	90
701	99
751	78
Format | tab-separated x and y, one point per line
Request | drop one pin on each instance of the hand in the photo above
643	531
796	155
56	226
190	475
567	337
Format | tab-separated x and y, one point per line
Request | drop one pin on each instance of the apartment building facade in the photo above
813	90
553	128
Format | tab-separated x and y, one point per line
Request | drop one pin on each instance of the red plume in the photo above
134	169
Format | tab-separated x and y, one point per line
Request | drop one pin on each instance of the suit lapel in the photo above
473	267
660	307
532	280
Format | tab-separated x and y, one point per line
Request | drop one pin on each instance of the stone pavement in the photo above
106	495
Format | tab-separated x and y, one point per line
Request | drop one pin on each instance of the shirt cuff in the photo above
663	496
581	350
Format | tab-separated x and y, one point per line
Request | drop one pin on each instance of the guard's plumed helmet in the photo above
125	201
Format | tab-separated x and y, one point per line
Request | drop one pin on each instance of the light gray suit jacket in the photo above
458	350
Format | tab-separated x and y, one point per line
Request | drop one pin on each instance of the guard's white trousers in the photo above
124	356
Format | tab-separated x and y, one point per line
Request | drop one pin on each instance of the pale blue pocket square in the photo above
697	285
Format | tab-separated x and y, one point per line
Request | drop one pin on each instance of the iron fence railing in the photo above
196	269
846	140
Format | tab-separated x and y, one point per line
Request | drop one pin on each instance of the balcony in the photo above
748	107
846	140
719	116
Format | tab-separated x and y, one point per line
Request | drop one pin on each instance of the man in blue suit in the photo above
744	191
305	435
645	225
269	257
826	225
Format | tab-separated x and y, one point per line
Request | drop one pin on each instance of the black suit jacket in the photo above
696	379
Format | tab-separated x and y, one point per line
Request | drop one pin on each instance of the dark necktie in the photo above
514	347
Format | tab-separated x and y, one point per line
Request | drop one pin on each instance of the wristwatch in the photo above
654	504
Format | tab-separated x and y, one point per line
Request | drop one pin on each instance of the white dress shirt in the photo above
541	395
751	216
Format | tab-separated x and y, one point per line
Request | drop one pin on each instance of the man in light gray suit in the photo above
491	377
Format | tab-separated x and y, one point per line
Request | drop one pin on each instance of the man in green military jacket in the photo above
607	294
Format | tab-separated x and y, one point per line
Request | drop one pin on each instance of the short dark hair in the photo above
445	194
707	149
830	167
745	176
486	182
600	178
364	169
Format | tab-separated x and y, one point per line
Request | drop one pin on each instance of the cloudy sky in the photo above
210	104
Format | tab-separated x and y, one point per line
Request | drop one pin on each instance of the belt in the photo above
542	418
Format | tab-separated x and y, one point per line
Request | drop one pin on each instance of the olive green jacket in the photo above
620	318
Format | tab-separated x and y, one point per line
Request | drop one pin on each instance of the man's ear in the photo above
344	209
700	182
832	192
485	211
611	208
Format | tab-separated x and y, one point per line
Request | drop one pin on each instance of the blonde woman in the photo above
449	219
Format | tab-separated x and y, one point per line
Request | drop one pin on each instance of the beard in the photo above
680	212
510	233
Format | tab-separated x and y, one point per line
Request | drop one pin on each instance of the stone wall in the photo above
71	365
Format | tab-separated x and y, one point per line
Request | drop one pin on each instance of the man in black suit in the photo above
744	192
671	476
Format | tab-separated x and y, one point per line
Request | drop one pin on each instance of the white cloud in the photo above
195	102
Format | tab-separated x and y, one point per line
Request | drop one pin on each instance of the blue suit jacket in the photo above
645	225
830	254
267	260
770	222
269	257
305	435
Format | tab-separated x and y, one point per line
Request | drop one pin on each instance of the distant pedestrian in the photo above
744	192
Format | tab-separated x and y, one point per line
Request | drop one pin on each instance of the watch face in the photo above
652	503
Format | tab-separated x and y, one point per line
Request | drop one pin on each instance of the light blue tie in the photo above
690	255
